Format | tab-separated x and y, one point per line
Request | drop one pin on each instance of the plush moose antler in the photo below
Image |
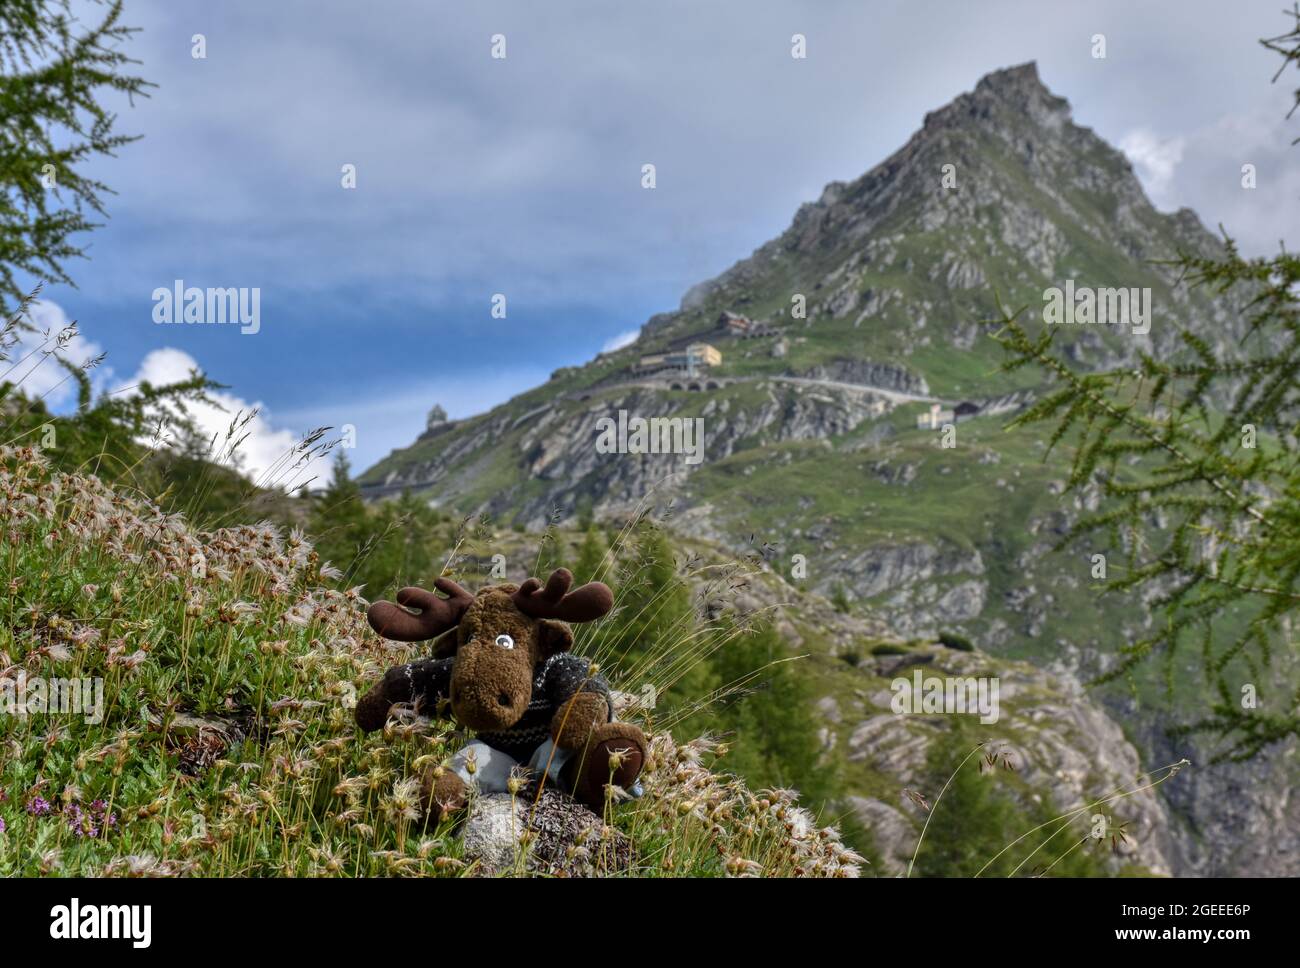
436	614
585	604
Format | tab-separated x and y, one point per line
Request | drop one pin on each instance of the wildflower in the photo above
51	860
85	636
300	615
615	793
38	806
100	809
519	778
404	804
79	823
330	862
742	867
232	612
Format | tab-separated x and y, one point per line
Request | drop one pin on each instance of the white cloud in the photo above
1210	178
1156	160
621	340
261	456
391	418
31	366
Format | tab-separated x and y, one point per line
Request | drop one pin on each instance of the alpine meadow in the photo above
363	514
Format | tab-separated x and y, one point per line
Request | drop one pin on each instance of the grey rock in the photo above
564	837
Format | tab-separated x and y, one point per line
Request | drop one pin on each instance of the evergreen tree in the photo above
978	815
340	525
1198	464
406	548
53	71
591	557
773	719
655	638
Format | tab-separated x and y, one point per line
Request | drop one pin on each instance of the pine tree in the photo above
591	557
655	638
53	70
407	546
975	813
340	525
1198	464
773	718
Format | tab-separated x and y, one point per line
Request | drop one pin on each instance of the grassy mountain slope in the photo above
223	743
901	271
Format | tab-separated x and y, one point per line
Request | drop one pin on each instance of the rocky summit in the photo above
852	405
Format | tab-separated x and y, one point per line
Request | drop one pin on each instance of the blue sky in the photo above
522	175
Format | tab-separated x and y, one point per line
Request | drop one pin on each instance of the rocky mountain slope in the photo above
810	436
1063	747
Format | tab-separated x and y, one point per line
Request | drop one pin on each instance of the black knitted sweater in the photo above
555	681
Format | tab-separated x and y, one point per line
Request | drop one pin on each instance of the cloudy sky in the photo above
478	175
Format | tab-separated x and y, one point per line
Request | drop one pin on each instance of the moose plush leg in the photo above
443	793
614	754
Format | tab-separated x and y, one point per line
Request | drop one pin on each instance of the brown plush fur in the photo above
615	757
490	685
372	708
573	722
436	615
442	792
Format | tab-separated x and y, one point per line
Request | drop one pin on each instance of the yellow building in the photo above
697	354
705	354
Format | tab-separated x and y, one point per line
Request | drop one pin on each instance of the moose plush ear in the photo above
553	637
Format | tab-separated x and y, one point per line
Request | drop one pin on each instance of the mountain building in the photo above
689	360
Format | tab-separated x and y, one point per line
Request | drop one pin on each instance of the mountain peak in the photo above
1000	195
1017	91
1021	86
1019	77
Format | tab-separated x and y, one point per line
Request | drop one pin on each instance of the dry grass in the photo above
227	747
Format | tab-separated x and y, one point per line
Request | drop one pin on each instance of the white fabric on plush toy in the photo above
491	772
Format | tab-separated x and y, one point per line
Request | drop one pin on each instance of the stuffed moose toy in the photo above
503	668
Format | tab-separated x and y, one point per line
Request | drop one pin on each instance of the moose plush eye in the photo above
505	641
